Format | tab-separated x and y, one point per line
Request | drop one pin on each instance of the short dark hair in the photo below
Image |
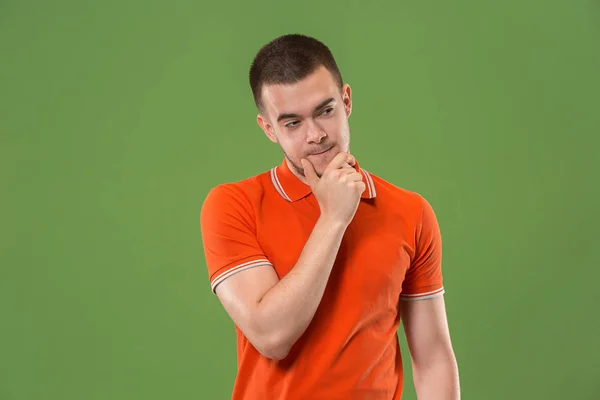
289	59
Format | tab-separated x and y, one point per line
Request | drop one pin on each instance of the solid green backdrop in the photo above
118	117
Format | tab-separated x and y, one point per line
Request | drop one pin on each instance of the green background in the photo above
117	117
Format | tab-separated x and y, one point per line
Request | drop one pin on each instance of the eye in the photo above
291	124
327	111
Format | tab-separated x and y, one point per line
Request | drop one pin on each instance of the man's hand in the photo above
339	188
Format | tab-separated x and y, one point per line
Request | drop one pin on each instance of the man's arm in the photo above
274	313
435	370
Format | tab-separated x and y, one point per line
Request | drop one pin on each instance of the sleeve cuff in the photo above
423	296
221	276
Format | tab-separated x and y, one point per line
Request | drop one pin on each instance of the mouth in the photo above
322	152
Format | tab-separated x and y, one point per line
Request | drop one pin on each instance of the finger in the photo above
351	160
348	170
355	177
339	160
352	177
361	187
309	172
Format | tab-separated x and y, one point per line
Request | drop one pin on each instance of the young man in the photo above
316	260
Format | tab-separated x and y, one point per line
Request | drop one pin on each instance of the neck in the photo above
295	171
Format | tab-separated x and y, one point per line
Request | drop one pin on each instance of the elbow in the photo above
273	344
276	352
274	347
271	340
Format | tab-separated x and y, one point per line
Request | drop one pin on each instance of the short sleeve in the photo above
228	230
424	277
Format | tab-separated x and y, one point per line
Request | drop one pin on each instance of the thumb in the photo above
309	172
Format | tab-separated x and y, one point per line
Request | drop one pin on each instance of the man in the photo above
316	260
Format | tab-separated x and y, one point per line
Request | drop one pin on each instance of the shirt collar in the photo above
291	188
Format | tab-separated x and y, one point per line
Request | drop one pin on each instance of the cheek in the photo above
336	128
291	145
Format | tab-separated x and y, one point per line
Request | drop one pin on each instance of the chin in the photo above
329	157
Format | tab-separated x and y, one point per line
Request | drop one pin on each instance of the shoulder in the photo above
398	197
239	195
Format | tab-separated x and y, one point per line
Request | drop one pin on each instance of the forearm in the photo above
286	309
439	380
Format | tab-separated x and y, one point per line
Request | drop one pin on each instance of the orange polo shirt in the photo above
390	251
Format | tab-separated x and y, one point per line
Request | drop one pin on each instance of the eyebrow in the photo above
321	105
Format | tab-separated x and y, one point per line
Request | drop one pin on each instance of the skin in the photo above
312	131
274	313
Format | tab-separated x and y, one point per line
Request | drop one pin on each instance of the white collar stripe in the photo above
280	186
371	183
368	184
277	185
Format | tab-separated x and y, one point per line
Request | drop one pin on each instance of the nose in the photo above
315	134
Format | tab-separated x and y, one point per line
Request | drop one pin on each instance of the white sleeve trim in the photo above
238	268
423	296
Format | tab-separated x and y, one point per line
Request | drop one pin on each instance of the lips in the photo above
321	152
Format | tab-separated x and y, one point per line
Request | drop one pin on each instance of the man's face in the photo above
308	119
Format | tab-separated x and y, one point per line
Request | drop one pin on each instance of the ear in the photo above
347	99
267	128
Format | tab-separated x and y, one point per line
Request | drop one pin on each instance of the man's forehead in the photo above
282	99
302	96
